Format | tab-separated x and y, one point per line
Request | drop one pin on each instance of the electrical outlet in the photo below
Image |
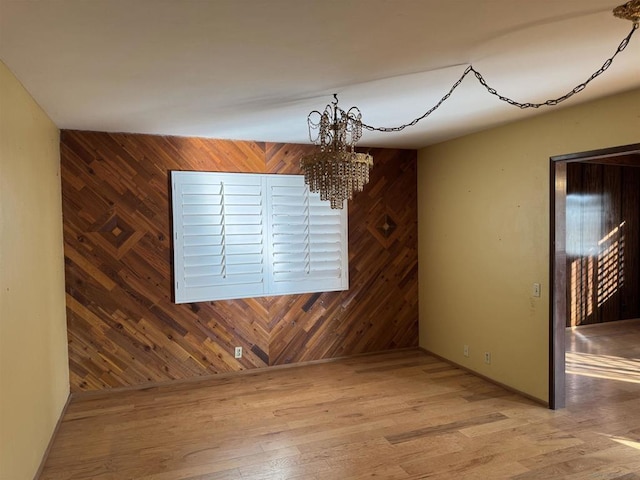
238	352
536	289
487	358
466	350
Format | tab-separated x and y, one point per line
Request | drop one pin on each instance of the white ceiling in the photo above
254	69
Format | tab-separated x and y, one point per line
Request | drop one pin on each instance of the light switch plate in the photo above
536	289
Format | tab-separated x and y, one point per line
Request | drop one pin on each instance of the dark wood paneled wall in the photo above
603	242
122	325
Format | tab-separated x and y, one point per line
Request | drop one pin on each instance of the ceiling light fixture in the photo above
337	171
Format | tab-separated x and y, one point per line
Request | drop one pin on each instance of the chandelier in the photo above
337	171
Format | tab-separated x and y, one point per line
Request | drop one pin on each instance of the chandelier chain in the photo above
337	171
493	91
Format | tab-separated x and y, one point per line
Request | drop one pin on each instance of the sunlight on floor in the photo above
625	441
603	366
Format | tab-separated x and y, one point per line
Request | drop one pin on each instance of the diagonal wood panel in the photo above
123	327
603	261
379	310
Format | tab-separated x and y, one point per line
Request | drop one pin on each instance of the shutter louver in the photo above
326	238
220	223
289	233
307	240
250	235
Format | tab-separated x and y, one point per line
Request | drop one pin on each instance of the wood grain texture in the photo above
397	415
603	260
558	281
630	295
123	327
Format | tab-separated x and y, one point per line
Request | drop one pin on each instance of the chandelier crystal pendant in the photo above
336	170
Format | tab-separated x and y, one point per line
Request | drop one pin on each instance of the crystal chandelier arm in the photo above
493	91
313	126
335	126
354	125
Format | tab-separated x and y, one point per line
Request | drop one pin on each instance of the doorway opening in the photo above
588	269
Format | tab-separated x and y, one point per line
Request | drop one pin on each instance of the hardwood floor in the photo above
398	415
603	364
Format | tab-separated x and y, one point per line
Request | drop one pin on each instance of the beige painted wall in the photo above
34	374
483	224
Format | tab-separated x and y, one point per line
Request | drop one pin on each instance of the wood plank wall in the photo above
603	242
123	328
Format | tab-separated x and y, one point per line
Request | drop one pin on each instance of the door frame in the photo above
558	263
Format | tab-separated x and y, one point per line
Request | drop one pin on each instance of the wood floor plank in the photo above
398	415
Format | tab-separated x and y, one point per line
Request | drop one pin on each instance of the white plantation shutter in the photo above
219	233
308	239
250	235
